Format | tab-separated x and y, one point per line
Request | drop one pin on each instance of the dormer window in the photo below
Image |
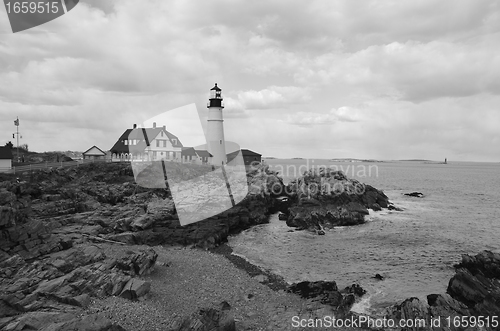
125	142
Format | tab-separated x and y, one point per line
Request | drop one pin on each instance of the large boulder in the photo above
325	198
209	319
474	290
476	283
328	293
135	288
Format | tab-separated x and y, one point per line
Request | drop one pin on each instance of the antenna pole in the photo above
17	139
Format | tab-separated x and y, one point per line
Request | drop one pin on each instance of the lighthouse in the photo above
215	128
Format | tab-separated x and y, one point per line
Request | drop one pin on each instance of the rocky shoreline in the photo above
69	237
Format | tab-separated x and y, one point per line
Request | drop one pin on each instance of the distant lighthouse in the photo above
215	127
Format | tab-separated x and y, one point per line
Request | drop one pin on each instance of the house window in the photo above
220	141
162	133
157	143
125	142
173	154
174	141
154	155
164	143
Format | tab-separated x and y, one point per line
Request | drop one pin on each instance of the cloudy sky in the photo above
316	79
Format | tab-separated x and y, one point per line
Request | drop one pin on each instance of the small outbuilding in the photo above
5	159
249	157
204	156
198	156
94	153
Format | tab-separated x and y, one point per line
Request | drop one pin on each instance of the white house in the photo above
154	143
5	159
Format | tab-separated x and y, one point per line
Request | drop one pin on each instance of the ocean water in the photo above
414	249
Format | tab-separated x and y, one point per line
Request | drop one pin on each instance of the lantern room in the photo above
215	97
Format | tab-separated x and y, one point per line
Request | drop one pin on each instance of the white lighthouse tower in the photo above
215	128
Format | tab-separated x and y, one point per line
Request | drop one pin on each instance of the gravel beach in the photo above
186	280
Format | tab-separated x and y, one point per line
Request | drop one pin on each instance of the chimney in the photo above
165	127
154	125
135	126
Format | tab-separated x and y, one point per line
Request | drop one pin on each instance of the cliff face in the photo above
324	198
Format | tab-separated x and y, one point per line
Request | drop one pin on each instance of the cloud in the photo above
420	77
411	71
342	114
241	104
272	97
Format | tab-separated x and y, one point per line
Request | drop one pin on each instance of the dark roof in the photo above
5	153
144	135
216	88
247	152
203	153
244	152
188	151
103	153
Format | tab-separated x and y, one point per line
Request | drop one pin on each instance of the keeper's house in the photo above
5	159
147	144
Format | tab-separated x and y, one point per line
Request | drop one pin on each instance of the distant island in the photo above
425	161
355	160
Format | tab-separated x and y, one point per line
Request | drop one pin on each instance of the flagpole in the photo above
17	138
